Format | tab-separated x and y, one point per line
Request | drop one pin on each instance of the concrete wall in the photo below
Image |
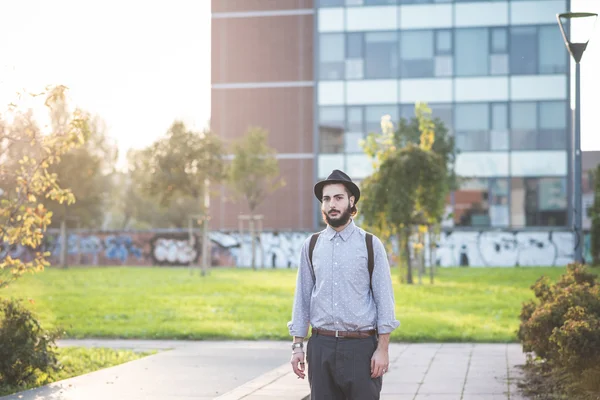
282	249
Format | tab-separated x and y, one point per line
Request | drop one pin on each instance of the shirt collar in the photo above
345	234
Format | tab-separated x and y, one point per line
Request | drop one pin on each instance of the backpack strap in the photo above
311	248
371	261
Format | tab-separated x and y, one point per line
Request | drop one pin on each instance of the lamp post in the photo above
576	37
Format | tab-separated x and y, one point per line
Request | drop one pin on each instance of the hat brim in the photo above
350	185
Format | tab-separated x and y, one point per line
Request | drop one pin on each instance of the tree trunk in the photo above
409	278
253	242
64	239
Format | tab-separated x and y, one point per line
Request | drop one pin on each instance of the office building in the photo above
319	76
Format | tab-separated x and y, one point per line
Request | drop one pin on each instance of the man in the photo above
351	313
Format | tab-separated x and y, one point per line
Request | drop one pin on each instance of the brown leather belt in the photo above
345	334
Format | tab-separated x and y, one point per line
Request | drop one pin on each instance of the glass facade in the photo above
499	86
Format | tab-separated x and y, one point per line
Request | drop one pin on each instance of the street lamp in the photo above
576	37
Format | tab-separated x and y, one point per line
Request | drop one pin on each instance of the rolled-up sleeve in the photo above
383	291
299	324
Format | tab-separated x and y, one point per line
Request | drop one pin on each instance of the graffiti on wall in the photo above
282	249
507	248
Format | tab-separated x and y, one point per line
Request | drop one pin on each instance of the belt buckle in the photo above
337	334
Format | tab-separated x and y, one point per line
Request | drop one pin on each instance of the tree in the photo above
26	182
180	163
411	179
254	172
595	215
87	171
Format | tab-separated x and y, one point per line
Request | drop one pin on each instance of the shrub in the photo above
25	348
563	328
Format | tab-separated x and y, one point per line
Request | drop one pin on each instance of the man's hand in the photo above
379	362
298	364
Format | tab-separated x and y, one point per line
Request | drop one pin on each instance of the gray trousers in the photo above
340	369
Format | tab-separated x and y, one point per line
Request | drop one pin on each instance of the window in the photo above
330	3
471	203
381	54
373	116
499	209
443	53
539	201
553	125
442	111
355	56
332	57
523	50
331	129
424	1
426	53
472	125
355	129
499	133
523	123
551	61
482	203
416	52
538	126
498	51
472	52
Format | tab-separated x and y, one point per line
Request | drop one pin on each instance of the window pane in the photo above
373	116
355	45
499	64
381	54
472	203
443	42
499	210
353	142
523	124
443	65
499	133
553	125
472	127
472	117
552	60
499	40
416	51
331	129
378	2
472	53
444	112
538	202
355	121
331	52
331	3
523	50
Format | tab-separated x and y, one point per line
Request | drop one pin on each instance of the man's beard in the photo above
341	220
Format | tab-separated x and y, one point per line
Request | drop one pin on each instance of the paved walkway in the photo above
260	370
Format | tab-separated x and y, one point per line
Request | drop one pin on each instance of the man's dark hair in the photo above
353	210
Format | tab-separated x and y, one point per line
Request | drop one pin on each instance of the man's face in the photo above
336	205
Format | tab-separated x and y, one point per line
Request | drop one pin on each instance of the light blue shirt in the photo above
341	298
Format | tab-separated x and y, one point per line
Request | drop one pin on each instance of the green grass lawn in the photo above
77	361
465	304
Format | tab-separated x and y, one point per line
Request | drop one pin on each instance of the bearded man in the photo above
344	293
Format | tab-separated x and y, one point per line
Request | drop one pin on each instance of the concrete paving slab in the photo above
261	370
191	370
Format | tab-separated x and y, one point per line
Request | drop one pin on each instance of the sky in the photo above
141	64
137	64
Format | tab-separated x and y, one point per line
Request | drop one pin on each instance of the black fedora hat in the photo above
337	176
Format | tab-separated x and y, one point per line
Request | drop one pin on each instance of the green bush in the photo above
25	348
562	327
